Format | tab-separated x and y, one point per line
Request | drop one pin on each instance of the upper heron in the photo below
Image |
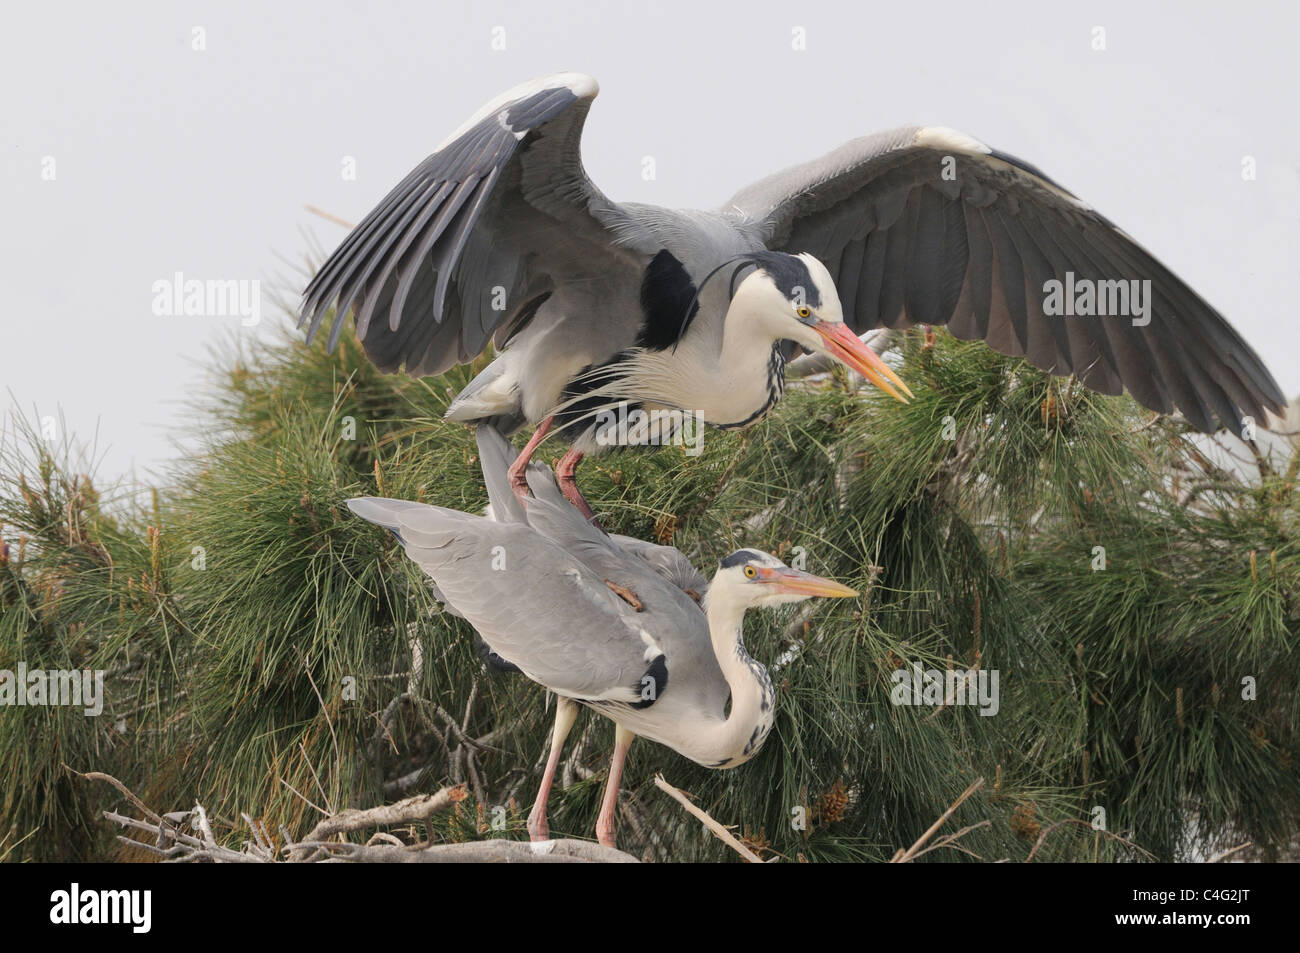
499	235
602	621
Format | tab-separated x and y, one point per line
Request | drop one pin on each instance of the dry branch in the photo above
718	830
478	852
174	844
1080	823
905	856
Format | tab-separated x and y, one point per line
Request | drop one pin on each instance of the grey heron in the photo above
601	621
500	236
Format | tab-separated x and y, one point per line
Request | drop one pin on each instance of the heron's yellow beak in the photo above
847	348
801	583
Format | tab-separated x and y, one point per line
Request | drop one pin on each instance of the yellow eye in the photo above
750	572
803	312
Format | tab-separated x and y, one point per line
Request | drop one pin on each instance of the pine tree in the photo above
267	652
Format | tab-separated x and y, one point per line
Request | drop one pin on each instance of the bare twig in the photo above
1219	857
328	217
950	840
905	856
719	830
303	798
100	776
1074	820
562	851
177	846
316	777
416	808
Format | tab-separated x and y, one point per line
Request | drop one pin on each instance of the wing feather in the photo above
430	254
960	234
535	604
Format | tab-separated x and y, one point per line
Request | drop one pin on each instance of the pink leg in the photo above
565	471
519	469
605	822
566	711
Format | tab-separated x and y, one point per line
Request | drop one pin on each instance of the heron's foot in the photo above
519	469
565	471
605	832
571	493
538	828
627	595
519	479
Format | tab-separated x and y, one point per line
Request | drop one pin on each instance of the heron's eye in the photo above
750	572
803	312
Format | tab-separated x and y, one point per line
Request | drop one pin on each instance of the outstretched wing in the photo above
926	225
475	238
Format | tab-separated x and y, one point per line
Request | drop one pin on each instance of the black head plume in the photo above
788	272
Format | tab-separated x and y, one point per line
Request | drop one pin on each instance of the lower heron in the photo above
606	623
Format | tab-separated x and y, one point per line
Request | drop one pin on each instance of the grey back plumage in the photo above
533	583
661	576
667	561
535	605
553	516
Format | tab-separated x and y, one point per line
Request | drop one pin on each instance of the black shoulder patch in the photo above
653	683
788	272
668	301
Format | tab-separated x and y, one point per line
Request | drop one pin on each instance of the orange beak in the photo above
805	583
847	348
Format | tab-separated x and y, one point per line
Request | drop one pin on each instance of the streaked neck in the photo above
737	738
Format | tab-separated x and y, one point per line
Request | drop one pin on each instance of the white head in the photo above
750	579
793	298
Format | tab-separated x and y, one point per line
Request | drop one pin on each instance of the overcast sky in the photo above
130	154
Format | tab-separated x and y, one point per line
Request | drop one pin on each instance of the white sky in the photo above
170	159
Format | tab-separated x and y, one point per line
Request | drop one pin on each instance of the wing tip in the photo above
582	85
943	137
